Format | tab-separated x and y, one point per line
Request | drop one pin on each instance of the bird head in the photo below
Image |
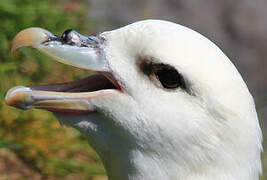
164	94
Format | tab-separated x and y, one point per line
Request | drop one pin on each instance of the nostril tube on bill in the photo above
66	35
71	37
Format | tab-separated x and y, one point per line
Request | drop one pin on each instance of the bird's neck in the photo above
161	157
128	162
137	165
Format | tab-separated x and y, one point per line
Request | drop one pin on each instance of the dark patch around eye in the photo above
146	68
167	75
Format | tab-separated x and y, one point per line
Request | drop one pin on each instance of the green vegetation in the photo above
35	136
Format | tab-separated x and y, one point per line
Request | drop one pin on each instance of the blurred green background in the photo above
32	143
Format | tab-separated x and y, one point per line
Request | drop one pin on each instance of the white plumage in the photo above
152	133
209	131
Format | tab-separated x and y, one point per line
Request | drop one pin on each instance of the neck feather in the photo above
138	165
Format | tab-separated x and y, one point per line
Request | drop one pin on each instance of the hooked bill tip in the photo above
29	37
17	97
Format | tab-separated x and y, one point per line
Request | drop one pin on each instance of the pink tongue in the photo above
91	83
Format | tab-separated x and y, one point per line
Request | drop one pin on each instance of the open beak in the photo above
73	49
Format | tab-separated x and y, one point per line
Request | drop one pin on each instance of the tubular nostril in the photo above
66	36
72	37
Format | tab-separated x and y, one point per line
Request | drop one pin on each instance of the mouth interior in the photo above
89	84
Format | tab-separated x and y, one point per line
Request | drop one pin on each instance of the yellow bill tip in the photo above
17	97
29	37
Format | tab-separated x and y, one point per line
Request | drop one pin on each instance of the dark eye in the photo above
169	77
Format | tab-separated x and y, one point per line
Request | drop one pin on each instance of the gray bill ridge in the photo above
73	49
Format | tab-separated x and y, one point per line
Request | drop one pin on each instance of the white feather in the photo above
150	133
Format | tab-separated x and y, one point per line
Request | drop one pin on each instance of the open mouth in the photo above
89	84
72	97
